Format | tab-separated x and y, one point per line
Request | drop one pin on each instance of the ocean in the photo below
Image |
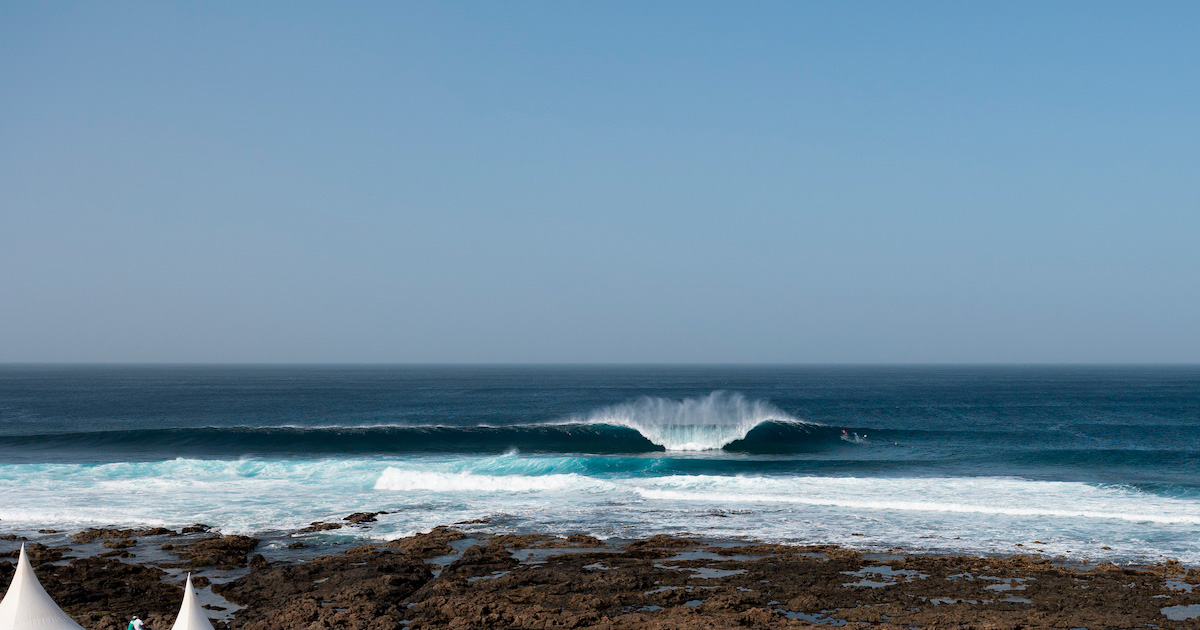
1090	463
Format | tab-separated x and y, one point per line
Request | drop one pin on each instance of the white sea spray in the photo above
692	424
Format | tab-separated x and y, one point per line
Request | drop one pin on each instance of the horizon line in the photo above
10	364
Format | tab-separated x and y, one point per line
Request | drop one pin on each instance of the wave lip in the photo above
692	424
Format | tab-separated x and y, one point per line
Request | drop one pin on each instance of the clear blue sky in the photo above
600	182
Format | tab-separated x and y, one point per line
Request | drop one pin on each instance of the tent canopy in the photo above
191	615
27	606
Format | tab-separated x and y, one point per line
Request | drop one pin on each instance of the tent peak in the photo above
27	605
191	615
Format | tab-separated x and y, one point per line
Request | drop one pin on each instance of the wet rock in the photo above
109	533
543	541
222	552
584	540
481	560
38	553
366	591
657	583
424	546
319	527
89	535
359	518
829	585
94	588
662	541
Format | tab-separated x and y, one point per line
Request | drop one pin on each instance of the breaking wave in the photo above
694	424
719	420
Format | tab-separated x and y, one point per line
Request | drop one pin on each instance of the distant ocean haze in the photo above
951	459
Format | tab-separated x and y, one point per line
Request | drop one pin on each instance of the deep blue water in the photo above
976	454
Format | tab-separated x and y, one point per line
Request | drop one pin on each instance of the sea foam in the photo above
607	496
692	424
408	480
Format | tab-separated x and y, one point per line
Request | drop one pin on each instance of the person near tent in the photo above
27	606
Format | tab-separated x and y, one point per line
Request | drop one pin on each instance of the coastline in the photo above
463	576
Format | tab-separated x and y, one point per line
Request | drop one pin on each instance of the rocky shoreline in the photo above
461	577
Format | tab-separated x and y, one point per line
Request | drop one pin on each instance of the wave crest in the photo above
692	424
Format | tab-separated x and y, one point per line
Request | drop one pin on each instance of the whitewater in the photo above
693	424
1089	465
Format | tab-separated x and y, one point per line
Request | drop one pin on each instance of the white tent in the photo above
27	606
191	615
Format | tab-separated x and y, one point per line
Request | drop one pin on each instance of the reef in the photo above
453	578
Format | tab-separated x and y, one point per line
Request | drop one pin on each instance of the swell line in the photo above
210	442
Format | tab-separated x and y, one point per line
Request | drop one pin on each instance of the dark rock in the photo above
584	540
481	560
89	535
651	585
662	541
93	588
366	591
222	552
424	546
319	527
39	553
109	533
605	590
363	517
543	541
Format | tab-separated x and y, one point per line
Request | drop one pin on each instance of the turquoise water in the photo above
958	459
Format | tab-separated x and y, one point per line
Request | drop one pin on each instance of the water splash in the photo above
692	424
